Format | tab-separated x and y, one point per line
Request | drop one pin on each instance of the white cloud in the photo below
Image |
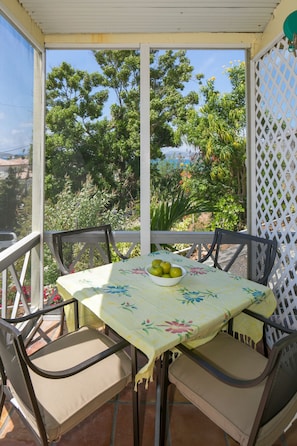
26	125
16	132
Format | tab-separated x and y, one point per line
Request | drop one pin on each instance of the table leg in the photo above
161	399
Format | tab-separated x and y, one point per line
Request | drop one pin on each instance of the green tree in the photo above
79	141
165	179
218	131
10	201
170	72
74	133
85	208
121	146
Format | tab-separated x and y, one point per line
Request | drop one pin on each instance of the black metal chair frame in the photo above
265	246
90	238
16	337
271	371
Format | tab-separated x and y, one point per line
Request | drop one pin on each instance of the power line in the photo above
13	149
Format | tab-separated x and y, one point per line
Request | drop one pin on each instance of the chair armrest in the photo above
61	267
77	368
114	246
232	380
270	322
41	312
221	374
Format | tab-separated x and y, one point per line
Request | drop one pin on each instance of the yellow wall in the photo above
204	40
274	29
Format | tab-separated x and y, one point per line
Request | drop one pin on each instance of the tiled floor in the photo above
112	425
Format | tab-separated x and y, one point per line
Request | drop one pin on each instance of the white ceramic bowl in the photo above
166	281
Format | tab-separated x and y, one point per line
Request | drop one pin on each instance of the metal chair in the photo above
64	382
83	248
243	254
249	396
79	249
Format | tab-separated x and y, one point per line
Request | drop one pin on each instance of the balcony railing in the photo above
14	267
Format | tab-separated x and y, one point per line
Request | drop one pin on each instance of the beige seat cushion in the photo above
66	402
233	409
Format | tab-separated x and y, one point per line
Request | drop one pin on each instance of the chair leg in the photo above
265	347
2	385
135	399
230	327
164	394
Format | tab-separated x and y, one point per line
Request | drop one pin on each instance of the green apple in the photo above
175	271
165	267
156	271
156	262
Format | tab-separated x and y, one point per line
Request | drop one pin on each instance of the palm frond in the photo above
167	213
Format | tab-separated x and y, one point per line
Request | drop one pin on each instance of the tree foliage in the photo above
74	133
10	201
80	141
218	131
165	214
93	136
85	208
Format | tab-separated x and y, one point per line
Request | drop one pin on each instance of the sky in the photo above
16	87
209	62
16	81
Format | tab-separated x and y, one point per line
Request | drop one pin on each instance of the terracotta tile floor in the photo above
112	424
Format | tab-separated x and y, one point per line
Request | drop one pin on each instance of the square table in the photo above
156	319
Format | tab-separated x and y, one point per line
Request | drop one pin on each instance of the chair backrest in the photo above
281	385
14	369
82	248
242	254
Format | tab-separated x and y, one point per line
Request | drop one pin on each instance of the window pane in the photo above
16	107
198	139
92	139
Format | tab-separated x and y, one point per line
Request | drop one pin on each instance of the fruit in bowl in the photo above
164	273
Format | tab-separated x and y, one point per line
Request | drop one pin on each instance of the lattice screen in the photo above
274	208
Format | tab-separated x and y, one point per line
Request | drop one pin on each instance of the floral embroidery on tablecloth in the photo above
234	276
147	325
137	271
192	297
257	294
128	306
113	289
182	328
197	271
179	327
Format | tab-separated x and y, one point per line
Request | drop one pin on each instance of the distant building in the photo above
20	165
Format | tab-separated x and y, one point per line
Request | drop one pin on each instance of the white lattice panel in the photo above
274	209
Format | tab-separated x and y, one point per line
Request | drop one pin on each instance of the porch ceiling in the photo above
154	16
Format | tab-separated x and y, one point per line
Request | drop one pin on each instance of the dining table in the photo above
156	319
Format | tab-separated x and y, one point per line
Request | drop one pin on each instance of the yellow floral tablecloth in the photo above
155	319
